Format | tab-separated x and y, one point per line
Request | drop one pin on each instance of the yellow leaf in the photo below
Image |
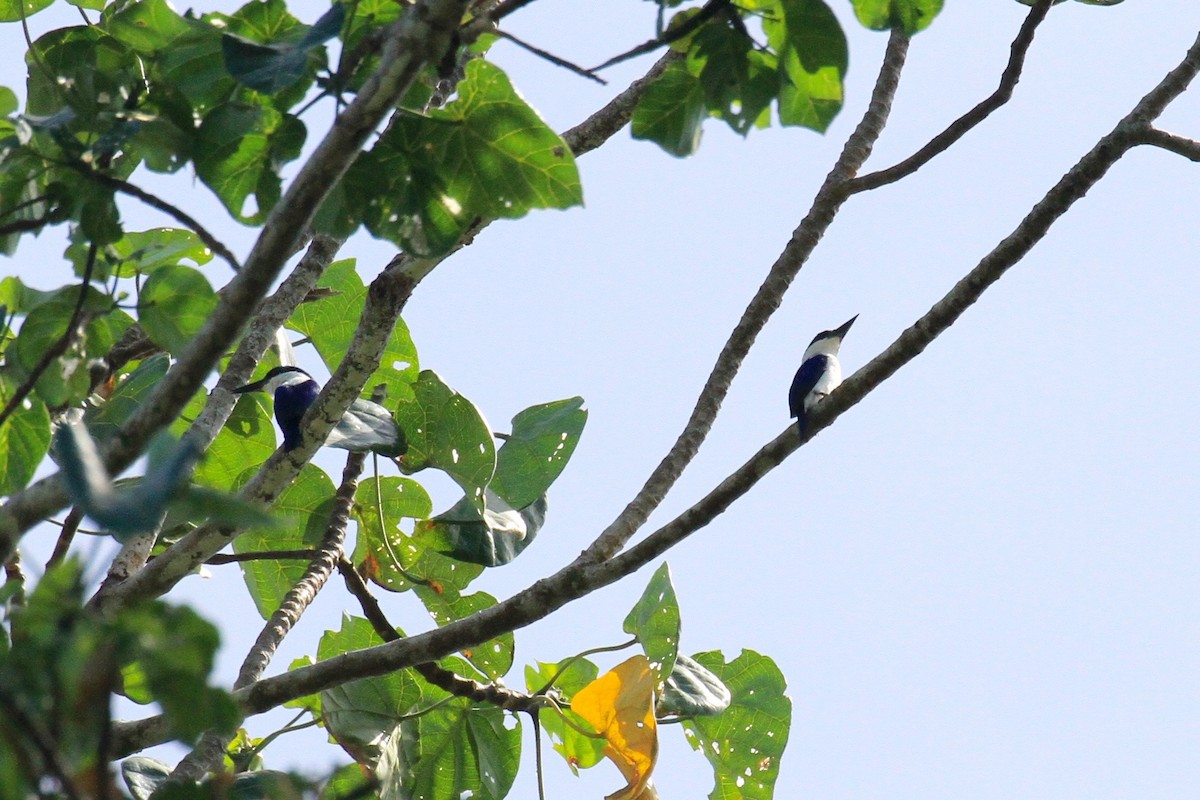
620	705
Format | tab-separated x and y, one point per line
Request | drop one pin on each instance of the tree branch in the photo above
421	36
1179	145
959	128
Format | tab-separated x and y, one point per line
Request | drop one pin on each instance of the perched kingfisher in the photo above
364	426
819	373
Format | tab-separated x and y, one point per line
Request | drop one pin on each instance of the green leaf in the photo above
542	441
246	440
147	26
446	431
21	299
739	81
331	321
143	252
490	538
579	750
359	713
350	780
671	111
175	302
812	58
486	154
655	622
909	15
308	504
24	437
194	65
10	10
383	552
176	648
66	380
238	149
693	691
455	749
494	657
744	744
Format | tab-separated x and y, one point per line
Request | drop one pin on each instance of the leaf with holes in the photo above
655	622
745	742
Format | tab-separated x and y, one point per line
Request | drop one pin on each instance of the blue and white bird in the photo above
366	426
819	373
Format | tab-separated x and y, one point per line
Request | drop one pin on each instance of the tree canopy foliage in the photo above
430	142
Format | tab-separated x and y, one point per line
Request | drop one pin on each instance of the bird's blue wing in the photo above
806	378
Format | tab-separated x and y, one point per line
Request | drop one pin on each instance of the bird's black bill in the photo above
249	387
841	332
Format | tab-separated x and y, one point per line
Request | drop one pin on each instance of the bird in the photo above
819	373
366	426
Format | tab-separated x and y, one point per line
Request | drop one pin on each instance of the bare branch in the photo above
1179	145
959	128
804	240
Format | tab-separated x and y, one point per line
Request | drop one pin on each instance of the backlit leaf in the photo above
655	622
812	62
672	110
745	742
331	321
910	16
457	750
542	440
580	750
485	154
24	437
306	506
446	431
175	303
620	705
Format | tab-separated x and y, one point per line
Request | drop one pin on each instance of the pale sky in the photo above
982	580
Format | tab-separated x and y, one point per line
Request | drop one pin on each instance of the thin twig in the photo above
506	7
170	209
553	59
960	127
708	11
57	349
52	761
